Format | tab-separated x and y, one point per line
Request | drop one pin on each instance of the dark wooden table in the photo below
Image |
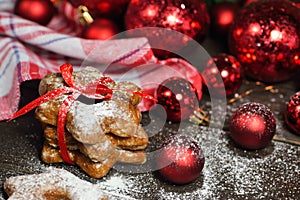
229	172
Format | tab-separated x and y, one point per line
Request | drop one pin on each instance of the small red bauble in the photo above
178	97
229	68
265	37
180	160
222	16
100	29
292	114
186	16
104	8
252	126
39	11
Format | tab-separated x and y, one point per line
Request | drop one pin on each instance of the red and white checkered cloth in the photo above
30	51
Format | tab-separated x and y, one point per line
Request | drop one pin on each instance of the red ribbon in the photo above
96	90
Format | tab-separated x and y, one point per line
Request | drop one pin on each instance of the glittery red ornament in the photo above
297	3
222	16
292	114
265	37
104	8
101	29
252	126
178	97
39	11
180	160
186	16
229	68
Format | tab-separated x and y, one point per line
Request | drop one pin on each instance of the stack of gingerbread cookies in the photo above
97	133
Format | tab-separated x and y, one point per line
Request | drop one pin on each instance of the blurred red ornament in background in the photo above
100	29
292	114
178	97
245	2
252	126
39	11
265	38
103	8
186	16
222	16
229	68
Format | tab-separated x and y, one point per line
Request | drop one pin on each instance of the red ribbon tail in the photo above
66	72
62	116
42	99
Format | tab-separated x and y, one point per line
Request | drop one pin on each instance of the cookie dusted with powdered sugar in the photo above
52	184
96	132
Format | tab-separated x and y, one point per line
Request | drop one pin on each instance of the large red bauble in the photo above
252	126
186	16
222	16
180	160
100	29
229	68
178	97
292	114
104	8
39	11
265	37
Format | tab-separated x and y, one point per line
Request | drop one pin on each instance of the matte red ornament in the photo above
103	8
186	16
222	16
178	97
229	68
100	29
252	126
39	11
292	114
265	37
180	160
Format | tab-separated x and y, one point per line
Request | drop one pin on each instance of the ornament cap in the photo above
84	16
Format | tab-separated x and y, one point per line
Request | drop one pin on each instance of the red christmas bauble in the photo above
265	37
100	29
222	16
252	126
229	68
39	11
186	16
103	8
292	113
180	160
178	97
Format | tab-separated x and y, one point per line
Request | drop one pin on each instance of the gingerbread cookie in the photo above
52	184
138	141
95	169
98	133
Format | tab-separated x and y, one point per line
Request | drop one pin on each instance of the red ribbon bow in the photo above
95	90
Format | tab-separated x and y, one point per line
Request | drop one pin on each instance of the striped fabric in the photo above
30	51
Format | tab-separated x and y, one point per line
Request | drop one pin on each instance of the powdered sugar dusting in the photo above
229	172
